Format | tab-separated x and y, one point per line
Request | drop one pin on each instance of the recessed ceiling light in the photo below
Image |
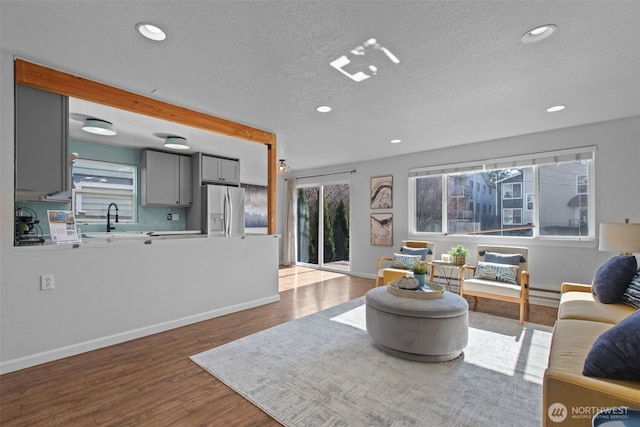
396	141
323	109
538	33
556	108
151	31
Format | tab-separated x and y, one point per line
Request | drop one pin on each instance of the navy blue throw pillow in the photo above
616	353
613	278
511	259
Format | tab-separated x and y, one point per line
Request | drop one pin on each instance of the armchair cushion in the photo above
613	278
505	273
616	353
511	259
408	261
423	252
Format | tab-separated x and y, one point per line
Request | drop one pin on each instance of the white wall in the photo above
617	196
112	292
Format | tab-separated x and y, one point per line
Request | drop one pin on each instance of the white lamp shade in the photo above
621	238
176	142
99	127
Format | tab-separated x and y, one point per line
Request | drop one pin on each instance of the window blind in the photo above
542	158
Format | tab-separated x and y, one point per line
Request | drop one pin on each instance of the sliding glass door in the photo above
323	226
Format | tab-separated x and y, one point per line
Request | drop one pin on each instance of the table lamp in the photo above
621	238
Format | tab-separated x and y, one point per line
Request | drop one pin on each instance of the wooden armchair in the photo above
501	274
385	262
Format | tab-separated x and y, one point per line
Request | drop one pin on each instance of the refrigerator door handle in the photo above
229	214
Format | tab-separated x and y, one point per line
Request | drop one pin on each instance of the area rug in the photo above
324	370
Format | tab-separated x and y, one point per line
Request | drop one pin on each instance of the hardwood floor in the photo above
152	382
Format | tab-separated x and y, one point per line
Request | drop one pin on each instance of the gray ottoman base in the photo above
433	330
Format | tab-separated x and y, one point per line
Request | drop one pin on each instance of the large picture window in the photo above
548	198
98	184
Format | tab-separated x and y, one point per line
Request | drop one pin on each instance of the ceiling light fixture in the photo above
538	33
396	141
176	142
323	109
282	166
556	108
98	127
151	31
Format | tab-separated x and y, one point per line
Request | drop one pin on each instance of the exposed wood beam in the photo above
38	76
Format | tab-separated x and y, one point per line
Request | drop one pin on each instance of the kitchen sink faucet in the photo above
109	226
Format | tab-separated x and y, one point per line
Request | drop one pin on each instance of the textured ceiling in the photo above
464	75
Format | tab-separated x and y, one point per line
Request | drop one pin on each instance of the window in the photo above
582	184
540	196
98	184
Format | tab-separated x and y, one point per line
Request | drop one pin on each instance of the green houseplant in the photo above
420	272
459	254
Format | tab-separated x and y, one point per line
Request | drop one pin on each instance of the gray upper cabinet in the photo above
166	179
221	170
42	143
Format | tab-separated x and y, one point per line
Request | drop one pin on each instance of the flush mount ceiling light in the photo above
98	127
151	31
282	166
538	33
323	109
556	108
396	141
176	142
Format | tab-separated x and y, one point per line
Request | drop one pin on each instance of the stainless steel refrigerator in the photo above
223	210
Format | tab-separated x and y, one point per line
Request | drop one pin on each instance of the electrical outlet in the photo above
169	216
46	282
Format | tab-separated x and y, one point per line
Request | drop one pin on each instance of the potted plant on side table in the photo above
459	255
420	273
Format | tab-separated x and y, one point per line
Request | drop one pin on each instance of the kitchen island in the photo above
106	292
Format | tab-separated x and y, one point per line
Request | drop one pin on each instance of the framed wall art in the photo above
382	229
382	192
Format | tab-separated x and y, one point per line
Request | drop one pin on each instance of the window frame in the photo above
564	156
114	192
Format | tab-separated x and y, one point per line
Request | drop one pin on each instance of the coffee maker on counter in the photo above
28	230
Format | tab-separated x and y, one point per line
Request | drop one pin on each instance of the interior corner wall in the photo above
551	262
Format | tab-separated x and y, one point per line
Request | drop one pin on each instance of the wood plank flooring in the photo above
152	382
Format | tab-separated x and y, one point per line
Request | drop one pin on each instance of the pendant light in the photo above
282	166
98	127
176	142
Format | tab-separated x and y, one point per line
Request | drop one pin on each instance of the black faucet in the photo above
109	226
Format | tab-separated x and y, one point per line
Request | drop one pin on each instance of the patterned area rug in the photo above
323	370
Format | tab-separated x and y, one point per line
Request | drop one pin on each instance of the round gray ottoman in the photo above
424	330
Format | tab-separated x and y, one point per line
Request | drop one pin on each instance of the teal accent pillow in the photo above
505	273
616	353
613	278
423	252
631	296
408	261
511	259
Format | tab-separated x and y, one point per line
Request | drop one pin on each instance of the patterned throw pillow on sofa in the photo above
497	272
632	295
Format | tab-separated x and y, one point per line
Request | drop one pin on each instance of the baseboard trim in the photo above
83	347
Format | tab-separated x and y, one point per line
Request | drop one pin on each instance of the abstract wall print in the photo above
382	192
255	207
382	229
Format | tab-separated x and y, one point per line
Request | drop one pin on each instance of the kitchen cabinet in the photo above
219	169
166	179
41	141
